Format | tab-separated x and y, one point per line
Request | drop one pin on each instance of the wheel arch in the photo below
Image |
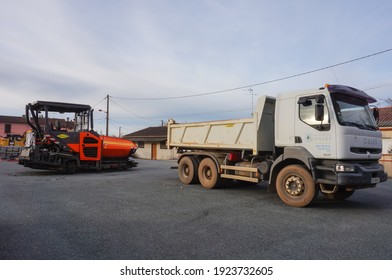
290	156
199	156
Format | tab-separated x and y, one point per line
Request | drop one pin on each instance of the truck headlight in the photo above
344	167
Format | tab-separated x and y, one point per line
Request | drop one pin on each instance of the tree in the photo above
384	102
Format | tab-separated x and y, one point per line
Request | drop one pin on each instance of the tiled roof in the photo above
154	133
22	120
385	117
12	119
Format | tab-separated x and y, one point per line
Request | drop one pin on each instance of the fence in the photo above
9	152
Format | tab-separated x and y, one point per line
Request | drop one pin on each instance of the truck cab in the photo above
333	132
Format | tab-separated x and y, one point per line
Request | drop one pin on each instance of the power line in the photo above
99	102
139	116
378	86
156	118
261	83
210	113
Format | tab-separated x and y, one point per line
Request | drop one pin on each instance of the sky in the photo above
81	51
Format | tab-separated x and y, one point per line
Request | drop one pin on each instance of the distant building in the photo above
151	143
12	125
385	124
18	125
385	117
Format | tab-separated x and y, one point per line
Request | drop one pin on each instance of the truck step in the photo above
237	177
252	177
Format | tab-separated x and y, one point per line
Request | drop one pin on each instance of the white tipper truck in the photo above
302	142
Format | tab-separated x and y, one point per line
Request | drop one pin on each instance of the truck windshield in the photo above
353	111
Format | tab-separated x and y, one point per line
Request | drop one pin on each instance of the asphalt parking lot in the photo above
145	213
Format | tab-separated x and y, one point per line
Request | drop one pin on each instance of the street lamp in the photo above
107	121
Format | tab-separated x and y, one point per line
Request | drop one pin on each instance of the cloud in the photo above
80	51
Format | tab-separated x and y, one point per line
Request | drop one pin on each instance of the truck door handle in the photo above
297	139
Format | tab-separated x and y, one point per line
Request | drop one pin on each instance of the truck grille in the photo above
364	151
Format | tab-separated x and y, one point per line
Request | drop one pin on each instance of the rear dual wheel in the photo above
187	170
191	172
208	174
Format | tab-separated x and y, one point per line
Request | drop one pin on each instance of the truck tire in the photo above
295	186
340	195
208	174
71	168
187	170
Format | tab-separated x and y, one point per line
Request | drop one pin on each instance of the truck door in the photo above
90	146
313	129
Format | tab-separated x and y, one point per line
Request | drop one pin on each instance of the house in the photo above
12	125
18	125
151	143
385	125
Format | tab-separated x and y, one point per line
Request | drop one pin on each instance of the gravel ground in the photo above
145	213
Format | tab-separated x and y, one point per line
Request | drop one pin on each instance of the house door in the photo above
154	151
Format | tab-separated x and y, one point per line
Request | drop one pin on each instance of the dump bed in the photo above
254	134
229	134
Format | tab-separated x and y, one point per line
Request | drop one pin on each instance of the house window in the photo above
140	144
7	128
163	145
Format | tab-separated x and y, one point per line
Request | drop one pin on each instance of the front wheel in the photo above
295	186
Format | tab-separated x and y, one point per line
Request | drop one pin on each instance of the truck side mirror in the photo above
319	99
376	114
319	112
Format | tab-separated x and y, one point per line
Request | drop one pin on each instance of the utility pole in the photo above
251	93
107	115
250	90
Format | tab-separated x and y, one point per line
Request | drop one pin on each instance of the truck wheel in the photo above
340	195
71	168
208	174
187	170
295	186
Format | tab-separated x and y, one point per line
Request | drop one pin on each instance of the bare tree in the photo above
387	102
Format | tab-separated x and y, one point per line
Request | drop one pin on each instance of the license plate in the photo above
375	180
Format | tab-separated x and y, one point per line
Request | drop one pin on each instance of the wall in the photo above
18	128
386	159
161	154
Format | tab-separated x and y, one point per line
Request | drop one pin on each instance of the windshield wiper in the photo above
353	124
371	127
360	125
